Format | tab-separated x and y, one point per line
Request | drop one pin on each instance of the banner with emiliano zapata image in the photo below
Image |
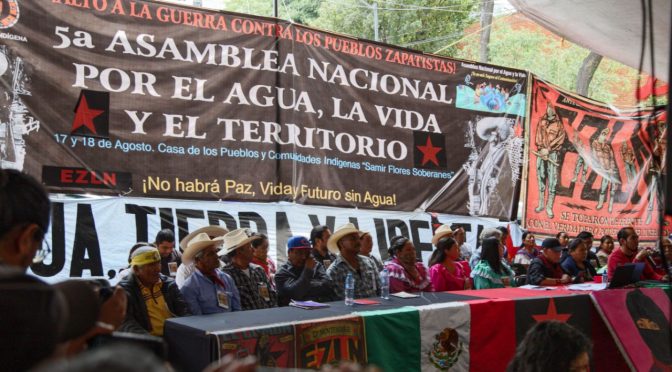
158	100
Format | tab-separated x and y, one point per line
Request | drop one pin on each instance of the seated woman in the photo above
527	252
606	246
260	257
444	273
576	265
491	271
406	273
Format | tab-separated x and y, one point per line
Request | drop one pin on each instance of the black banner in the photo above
211	105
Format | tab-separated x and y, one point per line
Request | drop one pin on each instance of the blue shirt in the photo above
200	293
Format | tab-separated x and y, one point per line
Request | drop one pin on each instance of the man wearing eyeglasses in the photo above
629	252
29	339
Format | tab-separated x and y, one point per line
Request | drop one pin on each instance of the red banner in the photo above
591	166
639	320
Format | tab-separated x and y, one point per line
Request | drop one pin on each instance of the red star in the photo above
84	116
429	152
551	314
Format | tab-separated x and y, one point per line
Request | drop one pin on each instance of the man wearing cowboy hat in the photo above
255	290
302	278
152	296
187	267
345	242
208	290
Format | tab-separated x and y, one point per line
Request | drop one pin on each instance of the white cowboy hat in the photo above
199	243
342	231
236	239
212	230
442	231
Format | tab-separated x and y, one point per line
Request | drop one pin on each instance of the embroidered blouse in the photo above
400	279
485	277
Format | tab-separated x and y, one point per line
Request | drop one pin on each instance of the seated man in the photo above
187	268
319	236
302	278
545	269
152	296
345	241
251	280
170	258
628	252
208	290
36	318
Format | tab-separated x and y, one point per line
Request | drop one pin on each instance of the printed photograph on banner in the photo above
273	347
593	167
491	89
288	113
326	342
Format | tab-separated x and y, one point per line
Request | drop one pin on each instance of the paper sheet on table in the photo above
587	287
404	295
538	287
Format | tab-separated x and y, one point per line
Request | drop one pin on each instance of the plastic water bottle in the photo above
605	278
385	284
349	290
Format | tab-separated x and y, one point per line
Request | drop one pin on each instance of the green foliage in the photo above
425	25
299	11
431	25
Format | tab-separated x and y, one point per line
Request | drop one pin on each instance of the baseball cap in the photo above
551	243
298	242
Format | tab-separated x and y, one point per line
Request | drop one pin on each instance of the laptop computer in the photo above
626	274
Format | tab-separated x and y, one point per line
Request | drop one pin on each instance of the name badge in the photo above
223	300
263	292
172	268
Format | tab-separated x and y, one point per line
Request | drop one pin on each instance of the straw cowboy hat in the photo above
342	231
236	239
443	230
212	230
199	243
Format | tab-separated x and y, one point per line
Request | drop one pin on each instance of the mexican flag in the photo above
393	338
444	336
425	338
